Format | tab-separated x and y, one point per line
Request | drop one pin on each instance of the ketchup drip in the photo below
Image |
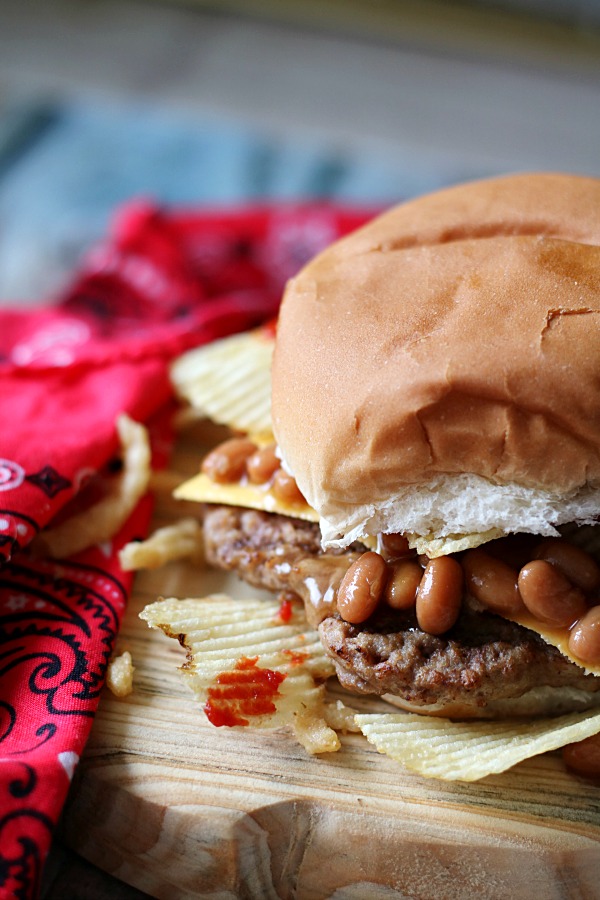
285	611
246	691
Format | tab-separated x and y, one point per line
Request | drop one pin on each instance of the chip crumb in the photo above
119	675
315	734
341	717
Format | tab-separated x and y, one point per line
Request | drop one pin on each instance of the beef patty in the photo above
277	553
483	657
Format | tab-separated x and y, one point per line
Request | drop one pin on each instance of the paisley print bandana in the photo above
161	283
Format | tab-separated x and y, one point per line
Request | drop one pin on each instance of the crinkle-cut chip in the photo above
249	664
203	489
229	380
182	540
468	751
433	546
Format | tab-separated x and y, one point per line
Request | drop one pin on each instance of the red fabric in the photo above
160	284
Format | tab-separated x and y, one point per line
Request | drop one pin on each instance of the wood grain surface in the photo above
180	809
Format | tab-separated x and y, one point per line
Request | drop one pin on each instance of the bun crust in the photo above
456	334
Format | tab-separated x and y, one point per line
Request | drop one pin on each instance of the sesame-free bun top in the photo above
438	371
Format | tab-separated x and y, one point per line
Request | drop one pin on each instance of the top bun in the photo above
438	371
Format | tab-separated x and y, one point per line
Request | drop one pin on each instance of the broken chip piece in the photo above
251	663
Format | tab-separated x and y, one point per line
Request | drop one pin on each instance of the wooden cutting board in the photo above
180	809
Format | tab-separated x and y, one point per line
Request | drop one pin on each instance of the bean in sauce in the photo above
361	588
439	597
492	582
549	596
227	462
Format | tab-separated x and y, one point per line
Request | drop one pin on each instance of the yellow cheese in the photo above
558	637
202	489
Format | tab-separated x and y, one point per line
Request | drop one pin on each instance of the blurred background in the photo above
211	103
233	102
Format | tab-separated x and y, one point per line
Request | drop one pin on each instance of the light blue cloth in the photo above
64	169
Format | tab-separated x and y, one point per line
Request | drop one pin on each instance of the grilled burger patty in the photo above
483	656
277	553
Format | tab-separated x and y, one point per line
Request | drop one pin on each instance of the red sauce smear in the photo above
246	691
296	657
285	611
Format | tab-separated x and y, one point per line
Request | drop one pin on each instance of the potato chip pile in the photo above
255	663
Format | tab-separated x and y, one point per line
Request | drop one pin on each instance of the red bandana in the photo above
161	284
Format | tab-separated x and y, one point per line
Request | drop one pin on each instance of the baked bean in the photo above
395	546
284	487
227	462
575	564
439	596
361	588
262	465
549	596
401	588
584	638
492	582
583	757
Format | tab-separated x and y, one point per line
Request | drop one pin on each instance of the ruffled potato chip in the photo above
252	663
468	751
229	381
433	546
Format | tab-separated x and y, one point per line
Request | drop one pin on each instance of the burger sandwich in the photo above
435	473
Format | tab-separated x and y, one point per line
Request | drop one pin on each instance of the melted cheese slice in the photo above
202	489
558	637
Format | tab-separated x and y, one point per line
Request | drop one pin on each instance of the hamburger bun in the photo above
438	371
537	702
